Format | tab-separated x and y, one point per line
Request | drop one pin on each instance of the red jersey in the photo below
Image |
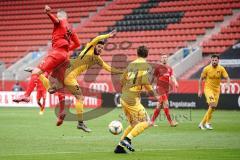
163	74
40	86
63	34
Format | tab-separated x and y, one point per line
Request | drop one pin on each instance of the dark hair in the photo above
215	56
142	51
101	42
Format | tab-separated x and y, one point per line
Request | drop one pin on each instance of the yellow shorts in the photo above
72	85
212	96
134	114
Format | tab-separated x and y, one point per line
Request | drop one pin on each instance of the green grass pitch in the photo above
26	135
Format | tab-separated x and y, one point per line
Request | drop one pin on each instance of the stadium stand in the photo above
163	26
25	27
233	69
228	36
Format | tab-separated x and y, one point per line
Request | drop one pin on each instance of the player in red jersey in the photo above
163	74
64	39
41	94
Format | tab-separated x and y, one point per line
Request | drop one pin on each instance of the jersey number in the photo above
133	76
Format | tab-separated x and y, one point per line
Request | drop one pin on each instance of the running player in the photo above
64	39
135	79
164	76
41	94
212	75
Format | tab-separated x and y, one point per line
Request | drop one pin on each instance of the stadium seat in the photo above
25	27
228	36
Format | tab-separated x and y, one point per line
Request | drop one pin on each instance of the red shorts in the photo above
41	94
53	59
163	87
163	98
59	72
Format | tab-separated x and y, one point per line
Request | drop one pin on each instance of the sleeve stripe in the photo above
86	51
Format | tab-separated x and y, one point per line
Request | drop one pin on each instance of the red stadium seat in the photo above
228	36
25	27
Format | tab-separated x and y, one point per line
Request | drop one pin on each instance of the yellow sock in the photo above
126	131
45	81
79	109
209	114
204	118
138	129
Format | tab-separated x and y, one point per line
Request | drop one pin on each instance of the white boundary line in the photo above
138	150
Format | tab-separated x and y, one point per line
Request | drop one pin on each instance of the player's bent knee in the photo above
160	105
133	124
166	106
212	105
79	97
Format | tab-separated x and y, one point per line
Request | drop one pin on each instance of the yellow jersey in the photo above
213	76
87	58
134	80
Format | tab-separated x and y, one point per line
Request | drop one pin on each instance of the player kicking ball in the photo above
134	80
212	75
163	74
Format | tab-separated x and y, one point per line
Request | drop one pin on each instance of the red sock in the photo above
43	105
61	98
166	110
40	105
155	114
31	84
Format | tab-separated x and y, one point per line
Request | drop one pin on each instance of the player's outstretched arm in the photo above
102	37
113	33
54	19
108	67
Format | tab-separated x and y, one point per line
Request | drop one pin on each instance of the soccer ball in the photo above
115	127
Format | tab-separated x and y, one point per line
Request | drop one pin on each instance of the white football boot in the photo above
201	126
208	126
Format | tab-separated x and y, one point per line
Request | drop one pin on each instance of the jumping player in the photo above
41	94
64	39
67	74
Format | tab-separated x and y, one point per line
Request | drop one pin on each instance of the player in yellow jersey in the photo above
212	74
67	74
134	80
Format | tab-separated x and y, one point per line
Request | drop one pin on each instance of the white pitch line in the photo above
138	150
